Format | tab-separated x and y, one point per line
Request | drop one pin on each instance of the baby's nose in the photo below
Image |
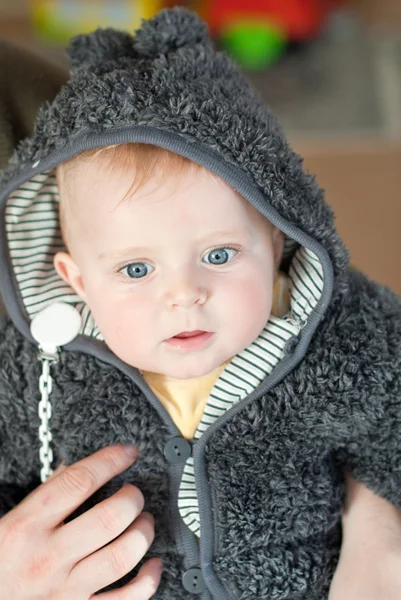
185	293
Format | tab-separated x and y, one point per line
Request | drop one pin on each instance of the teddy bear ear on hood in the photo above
91	49
170	30
166	32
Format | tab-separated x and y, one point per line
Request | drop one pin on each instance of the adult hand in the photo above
43	557
356	579
370	560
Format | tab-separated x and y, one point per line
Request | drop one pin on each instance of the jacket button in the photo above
177	450
290	345
193	581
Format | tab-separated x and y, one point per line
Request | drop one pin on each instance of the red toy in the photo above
256	32
300	19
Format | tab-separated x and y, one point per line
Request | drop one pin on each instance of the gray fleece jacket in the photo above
318	393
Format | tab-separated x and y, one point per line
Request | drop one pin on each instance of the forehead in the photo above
101	191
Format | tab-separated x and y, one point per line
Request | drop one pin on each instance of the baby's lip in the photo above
187	334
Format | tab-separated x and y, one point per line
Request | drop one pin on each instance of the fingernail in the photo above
131	451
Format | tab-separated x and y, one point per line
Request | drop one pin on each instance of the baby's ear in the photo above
278	246
68	270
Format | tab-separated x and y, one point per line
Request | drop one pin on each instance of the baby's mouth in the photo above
190	340
188	334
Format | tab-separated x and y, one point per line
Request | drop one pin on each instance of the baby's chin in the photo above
182	367
190	373
191	369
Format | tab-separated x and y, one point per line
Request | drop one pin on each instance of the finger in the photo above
142	587
59	469
99	525
112	562
58	497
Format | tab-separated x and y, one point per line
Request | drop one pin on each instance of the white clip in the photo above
56	325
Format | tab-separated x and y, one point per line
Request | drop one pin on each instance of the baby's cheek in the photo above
250	304
125	339
122	326
255	293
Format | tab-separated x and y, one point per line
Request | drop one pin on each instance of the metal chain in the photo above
45	413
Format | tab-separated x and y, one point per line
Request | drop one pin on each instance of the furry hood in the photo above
165	85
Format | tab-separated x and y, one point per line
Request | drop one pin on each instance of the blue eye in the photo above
136	270
219	256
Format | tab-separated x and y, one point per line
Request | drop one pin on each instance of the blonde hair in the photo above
149	162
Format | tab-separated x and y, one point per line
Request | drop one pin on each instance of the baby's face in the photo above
178	256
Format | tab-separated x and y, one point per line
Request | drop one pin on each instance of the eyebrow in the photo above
240	234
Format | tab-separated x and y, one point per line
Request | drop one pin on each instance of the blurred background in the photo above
329	69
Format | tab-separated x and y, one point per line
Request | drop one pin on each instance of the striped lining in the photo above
251	366
34	235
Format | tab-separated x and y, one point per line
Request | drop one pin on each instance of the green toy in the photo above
254	45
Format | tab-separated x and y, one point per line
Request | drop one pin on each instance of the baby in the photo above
176	253
181	279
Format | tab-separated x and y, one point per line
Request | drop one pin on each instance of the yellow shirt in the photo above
185	399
